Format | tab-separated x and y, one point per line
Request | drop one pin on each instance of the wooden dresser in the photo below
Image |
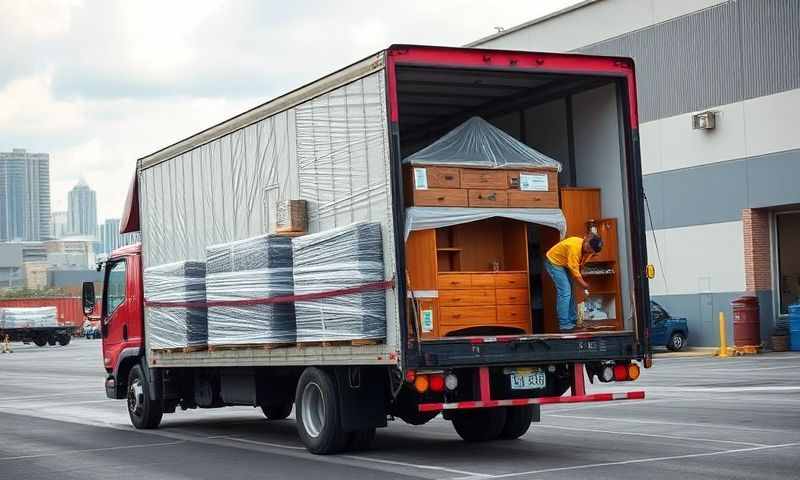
433	186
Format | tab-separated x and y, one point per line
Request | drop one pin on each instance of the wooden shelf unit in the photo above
479	273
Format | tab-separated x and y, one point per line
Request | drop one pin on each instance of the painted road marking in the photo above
657	422
90	450
633	462
654	435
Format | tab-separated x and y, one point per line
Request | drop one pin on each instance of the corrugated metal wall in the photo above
724	54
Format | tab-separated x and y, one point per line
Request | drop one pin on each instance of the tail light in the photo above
421	383
437	383
620	372
410	376
633	371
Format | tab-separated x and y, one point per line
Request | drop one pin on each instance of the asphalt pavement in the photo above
736	418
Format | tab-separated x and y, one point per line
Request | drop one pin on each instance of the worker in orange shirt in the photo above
563	260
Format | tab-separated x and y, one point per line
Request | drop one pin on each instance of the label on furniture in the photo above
420	178
533	182
427	321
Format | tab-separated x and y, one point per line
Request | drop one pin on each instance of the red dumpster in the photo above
746	324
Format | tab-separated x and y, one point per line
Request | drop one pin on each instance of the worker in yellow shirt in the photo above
563	260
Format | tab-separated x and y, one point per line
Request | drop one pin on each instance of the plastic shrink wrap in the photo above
28	317
179	325
346	257
251	269
477	143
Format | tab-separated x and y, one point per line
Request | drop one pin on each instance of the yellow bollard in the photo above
723	338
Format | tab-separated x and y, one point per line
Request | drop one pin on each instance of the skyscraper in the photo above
24	195
82	210
111	239
58	224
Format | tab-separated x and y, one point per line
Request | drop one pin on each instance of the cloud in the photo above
99	83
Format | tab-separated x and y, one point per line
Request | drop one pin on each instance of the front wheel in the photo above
144	412
318	418
277	412
479	425
676	342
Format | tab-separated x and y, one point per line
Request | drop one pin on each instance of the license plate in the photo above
522	379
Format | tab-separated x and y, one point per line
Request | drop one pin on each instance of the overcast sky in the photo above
99	83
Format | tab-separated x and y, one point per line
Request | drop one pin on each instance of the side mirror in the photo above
88	298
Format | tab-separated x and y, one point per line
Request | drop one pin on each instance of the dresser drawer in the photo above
483	280
454	280
488	198
514	314
512	296
473	178
552	180
511	280
441	197
468	316
443	177
518	199
473	296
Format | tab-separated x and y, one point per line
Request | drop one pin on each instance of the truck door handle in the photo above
124	332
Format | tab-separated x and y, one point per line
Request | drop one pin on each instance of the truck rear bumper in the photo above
516	402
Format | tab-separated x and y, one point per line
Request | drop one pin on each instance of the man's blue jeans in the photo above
565	300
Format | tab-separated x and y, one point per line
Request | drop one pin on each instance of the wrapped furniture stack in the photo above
28	317
177	326
341	258
251	269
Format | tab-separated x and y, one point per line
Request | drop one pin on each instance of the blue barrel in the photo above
794	327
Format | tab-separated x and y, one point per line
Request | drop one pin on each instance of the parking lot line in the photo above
635	461
654	435
90	450
657	422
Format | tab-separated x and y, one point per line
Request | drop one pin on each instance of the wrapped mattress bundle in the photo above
180	325
346	257
28	317
251	269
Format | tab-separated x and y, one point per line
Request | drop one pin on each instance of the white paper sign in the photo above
533	182
421	178
427	321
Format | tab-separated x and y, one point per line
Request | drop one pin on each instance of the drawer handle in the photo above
492	196
440	198
449	177
457	315
512	298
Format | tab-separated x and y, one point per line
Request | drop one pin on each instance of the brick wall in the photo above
757	252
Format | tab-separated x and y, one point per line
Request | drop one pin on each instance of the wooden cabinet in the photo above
434	186
476	275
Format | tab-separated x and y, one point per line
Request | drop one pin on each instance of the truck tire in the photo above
676	342
277	412
479	425
518	421
64	340
144	412
51	341
361	440
40	341
318	418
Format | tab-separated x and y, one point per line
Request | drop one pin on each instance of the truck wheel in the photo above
479	425
318	418
676	342
277	412
64	340
144	412
40	341
518	421
361	439
51	341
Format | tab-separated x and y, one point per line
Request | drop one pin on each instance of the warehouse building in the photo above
719	105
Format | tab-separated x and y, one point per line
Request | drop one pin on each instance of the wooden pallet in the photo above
193	348
340	343
250	346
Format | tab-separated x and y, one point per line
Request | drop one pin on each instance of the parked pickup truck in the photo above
667	330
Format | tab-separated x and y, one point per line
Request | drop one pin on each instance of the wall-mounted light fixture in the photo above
704	120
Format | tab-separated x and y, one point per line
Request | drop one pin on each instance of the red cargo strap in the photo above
367	287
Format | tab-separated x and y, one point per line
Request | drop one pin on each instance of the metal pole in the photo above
723	340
